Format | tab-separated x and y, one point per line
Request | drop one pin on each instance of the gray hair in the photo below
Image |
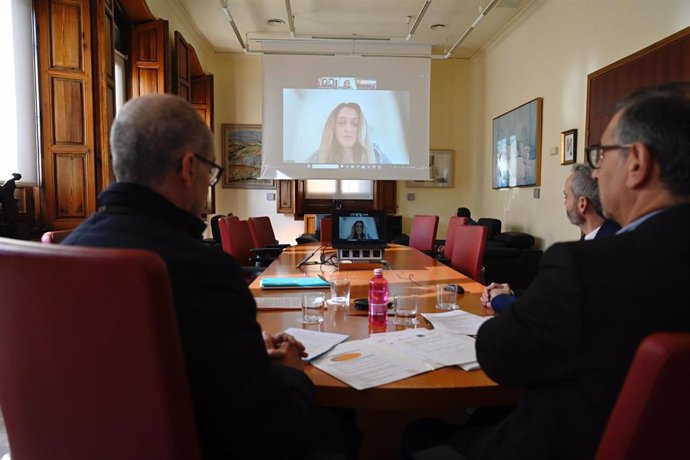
150	135
583	185
659	117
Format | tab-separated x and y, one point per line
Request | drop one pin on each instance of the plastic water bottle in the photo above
378	299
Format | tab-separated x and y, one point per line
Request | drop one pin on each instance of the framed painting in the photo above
517	146
568	146
440	170
242	157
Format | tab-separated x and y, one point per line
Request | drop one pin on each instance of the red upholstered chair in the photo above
325	233
262	233
453	223
423	233
468	251
651	418
90	362
55	236
236	241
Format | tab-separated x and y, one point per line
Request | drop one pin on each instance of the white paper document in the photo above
456	321
363	364
435	347
316	343
282	303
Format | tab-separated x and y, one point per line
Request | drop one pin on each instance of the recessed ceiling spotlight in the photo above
438	27
274	22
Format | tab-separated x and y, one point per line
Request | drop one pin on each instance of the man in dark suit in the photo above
570	339
583	209
583	204
251	397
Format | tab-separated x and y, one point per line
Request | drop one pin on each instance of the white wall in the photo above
547	51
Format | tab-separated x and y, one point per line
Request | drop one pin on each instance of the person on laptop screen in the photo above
359	232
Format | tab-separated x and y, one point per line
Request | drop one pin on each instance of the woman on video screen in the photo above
358	232
345	138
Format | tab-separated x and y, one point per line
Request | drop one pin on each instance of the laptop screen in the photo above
359	228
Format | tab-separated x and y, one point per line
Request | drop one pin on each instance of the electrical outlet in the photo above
553	151
271	196
410	197
535	193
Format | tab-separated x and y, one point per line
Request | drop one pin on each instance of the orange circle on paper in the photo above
346	357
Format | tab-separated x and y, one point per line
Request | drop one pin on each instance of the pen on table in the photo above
323	278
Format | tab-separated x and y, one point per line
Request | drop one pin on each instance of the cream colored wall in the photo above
237	99
548	52
450	128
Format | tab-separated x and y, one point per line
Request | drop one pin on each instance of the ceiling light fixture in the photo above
438	27
469	30
418	19
290	17
274	22
226	10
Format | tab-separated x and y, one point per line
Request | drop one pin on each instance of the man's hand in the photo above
492	290
284	349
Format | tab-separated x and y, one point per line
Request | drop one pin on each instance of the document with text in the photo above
316	343
456	321
437	348
363	364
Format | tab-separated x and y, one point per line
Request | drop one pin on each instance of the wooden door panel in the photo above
71	169
66	21
150	51
202	98
664	61
181	74
68	116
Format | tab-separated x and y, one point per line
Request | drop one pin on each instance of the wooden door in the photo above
67	128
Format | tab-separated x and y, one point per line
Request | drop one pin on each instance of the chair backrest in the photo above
55	236
468	250
453	222
261	231
423	232
90	360
493	226
235	238
325	233
650	418
213	223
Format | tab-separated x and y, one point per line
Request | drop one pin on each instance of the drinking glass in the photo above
405	308
340	293
312	308
446	295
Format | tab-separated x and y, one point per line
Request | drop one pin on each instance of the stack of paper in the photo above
456	321
391	356
316	343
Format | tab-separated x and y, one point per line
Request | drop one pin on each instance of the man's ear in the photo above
582	204
187	170
639	166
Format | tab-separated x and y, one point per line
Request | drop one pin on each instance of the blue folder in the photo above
293	283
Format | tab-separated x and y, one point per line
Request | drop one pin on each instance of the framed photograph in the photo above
568	146
517	146
440	170
242	157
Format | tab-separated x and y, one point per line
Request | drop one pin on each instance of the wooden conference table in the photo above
410	272
382	412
